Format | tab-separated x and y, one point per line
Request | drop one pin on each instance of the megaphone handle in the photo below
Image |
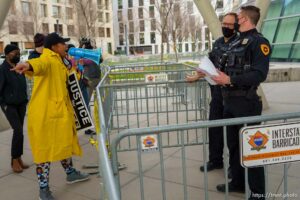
79	66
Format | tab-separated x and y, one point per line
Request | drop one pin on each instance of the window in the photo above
99	4
153	24
141	13
55	1
130	17
121	39
165	37
142	39
141	2
58	28
28	28
26	8
12	27
108	32
69	13
45	28
119	15
151	11
179	48
120	5
101	31
56	11
131	27
100	16
109	48
107	17
44	11
219	4
130	3
292	7
186	47
131	39
152	38
142	26
152	2
106	4
71	30
121	27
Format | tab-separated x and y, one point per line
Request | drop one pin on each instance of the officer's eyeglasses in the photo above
224	24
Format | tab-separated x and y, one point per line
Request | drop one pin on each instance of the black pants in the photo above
242	107
215	134
15	115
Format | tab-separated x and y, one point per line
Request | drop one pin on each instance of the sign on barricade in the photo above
270	144
162	77
149	143
83	118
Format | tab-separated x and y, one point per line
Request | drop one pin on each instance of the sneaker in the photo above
211	166
45	194
77	176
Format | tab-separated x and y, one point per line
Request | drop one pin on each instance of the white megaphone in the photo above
79	53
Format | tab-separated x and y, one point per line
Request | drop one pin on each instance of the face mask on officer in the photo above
227	32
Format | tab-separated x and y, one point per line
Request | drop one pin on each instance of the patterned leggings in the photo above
43	170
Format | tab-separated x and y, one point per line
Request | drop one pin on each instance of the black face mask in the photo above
227	32
15	59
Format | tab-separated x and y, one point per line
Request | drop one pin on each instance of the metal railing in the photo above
159	130
108	98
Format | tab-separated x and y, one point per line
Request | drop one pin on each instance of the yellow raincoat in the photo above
51	123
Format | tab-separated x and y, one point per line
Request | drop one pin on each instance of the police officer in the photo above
246	67
216	105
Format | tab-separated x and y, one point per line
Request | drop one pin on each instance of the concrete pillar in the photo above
4	8
263	5
210	17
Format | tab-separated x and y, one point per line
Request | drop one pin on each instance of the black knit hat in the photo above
38	40
9	48
53	39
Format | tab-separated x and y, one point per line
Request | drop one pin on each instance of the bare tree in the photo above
165	8
88	13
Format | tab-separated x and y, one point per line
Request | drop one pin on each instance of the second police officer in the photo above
246	67
216	104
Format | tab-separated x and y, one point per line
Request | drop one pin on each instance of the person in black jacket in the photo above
13	101
215	134
39	46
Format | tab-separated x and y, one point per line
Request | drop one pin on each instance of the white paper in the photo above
208	68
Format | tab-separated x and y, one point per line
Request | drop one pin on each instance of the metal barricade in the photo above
127	102
151	95
164	174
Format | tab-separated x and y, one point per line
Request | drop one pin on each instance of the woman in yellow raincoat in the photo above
51	122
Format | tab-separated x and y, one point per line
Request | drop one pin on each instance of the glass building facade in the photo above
282	28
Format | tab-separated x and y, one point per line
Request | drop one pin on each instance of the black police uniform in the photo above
247	66
216	105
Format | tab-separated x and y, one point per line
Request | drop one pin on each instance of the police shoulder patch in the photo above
265	49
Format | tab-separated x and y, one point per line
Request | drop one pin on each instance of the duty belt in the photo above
235	93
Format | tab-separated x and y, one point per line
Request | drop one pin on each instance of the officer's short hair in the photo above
231	14
252	12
